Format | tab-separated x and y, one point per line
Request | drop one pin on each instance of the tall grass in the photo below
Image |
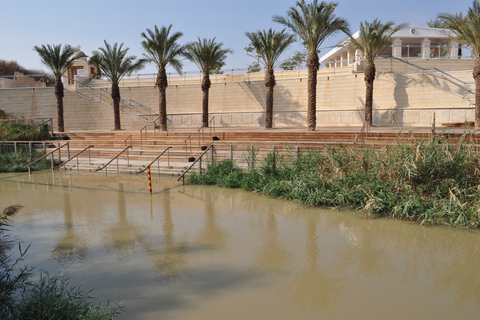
15	162
431	182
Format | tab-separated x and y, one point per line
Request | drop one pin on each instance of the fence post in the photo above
252	157
273	158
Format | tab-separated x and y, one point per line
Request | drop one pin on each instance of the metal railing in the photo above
188	139
141	134
50	153
199	160
76	156
131	143
115	158
167	150
202	128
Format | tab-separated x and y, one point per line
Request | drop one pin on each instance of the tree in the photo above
294	62
313	23
58	60
373	36
437	23
114	64
163	50
95	61
207	55
269	45
467	30
254	66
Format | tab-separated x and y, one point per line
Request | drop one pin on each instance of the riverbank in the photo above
432	182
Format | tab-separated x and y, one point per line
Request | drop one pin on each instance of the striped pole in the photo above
149	180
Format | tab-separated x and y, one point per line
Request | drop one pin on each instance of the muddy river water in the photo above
196	252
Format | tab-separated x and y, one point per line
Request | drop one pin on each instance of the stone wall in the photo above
399	100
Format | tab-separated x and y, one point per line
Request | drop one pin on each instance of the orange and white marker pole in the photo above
149	180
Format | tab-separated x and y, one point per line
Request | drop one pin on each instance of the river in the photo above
197	252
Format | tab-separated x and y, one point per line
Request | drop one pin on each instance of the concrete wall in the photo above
399	100
79	113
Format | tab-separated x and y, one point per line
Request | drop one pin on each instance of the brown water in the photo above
193	252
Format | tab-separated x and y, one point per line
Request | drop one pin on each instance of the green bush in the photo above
430	182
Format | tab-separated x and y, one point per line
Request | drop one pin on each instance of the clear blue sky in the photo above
26	23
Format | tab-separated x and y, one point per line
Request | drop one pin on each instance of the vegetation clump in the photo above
430	182
11	161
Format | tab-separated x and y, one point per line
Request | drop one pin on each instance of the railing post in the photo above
30	148
211	154
59	153
168	158
231	152
252	157
15	146
68	150
273	158
200	164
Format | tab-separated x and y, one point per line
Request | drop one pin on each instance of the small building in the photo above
407	43
81	70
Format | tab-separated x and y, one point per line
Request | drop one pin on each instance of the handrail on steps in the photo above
141	134
203	130
158	157
76	156
31	129
182	176
155	126
116	157
189	138
129	137
46	155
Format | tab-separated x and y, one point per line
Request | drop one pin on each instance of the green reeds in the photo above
15	161
433	182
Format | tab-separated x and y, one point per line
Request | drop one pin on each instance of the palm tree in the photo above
58	60
371	39
269	45
207	55
114	64
467	32
162	49
313	23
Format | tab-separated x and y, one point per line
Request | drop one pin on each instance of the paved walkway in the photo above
340	129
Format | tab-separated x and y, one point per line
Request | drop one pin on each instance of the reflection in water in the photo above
211	234
272	255
191	252
313	288
71	247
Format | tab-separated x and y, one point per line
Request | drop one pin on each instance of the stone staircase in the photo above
243	145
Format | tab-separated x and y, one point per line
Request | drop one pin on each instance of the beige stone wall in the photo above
79	113
398	100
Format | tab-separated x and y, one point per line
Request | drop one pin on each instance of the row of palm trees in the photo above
311	23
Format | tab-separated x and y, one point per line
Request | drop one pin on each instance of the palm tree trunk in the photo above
59	95
312	65
270	84
369	78
116	105
205	88
476	76
162	84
